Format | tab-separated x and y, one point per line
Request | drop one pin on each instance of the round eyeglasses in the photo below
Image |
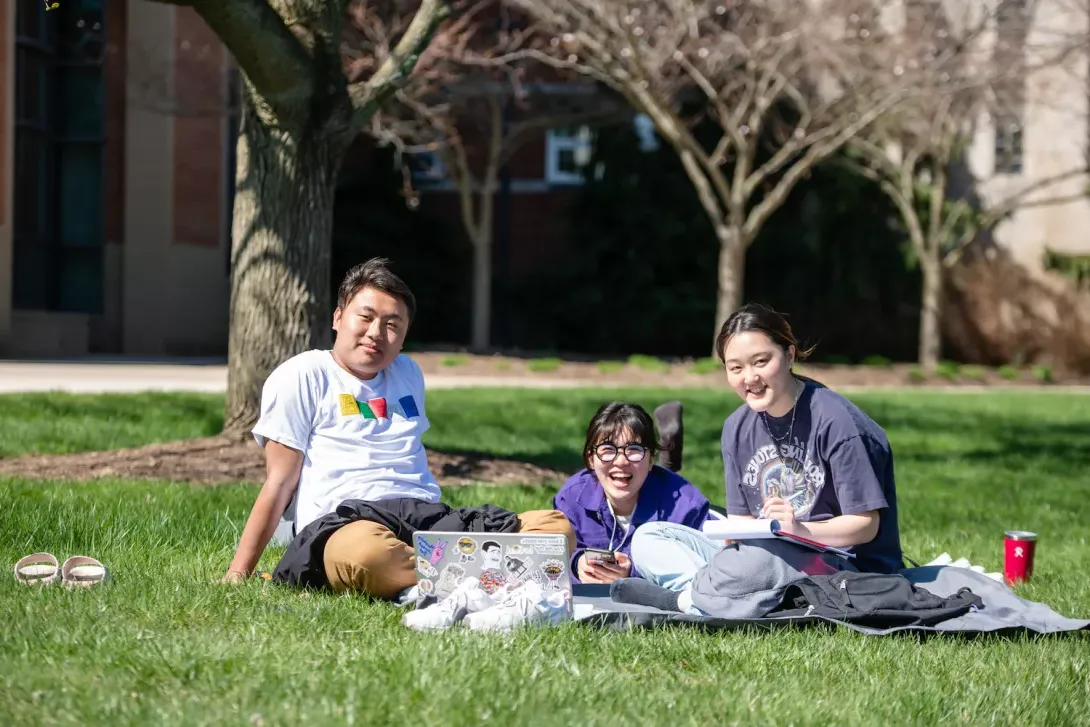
608	451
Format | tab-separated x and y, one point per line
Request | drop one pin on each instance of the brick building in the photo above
116	159
116	181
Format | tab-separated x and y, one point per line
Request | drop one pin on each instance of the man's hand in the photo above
604	572
283	465
234	576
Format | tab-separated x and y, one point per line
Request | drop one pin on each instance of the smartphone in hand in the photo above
600	557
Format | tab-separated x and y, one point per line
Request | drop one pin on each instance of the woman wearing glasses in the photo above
619	490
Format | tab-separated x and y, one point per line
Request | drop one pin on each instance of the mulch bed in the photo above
223	460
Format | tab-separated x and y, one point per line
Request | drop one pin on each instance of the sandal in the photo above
81	571
37	569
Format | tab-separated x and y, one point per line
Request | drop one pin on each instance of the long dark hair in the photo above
762	319
615	417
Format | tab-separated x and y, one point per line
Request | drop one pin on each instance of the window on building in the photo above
567	152
1008	143
645	132
59	147
426	169
1012	26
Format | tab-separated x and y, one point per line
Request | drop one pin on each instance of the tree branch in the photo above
815	154
996	213
273	59
367	97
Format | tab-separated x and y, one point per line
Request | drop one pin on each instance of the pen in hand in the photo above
762	513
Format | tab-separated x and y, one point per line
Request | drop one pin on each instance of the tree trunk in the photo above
732	270
280	256
481	235
931	312
482	290
931	268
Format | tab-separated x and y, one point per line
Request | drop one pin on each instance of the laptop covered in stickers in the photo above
444	559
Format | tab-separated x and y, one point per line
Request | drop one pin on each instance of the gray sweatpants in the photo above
743	580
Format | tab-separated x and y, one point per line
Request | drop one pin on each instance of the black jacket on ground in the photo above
303	564
877	599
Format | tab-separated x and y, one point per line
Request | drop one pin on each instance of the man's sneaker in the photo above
467	597
527	604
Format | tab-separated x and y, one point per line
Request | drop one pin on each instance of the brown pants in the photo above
367	557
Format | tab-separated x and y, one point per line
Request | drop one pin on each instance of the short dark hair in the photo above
619	416
763	319
490	544
375	273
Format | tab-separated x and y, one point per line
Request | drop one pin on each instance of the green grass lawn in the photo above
162	644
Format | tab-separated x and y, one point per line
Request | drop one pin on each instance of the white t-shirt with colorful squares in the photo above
361	440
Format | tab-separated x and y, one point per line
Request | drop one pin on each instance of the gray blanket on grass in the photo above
1003	611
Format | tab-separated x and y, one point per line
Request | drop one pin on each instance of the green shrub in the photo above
1009	373
1042	373
543	365
948	370
456	359
610	367
878	362
917	375
648	363
704	366
973	373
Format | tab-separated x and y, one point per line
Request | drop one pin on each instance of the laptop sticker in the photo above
553	569
517	566
449	579
492	580
426	568
491	554
426	587
466	547
434	551
543	546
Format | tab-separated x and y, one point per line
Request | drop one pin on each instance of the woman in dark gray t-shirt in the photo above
795	452
802	454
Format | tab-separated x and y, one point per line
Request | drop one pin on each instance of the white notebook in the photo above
747	529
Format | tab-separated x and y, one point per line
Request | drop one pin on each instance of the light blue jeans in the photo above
669	555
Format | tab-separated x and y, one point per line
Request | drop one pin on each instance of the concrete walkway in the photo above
103	376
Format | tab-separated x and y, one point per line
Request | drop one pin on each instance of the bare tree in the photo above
300	113
776	80
970	62
473	117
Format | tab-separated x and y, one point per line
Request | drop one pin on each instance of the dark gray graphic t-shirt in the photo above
835	461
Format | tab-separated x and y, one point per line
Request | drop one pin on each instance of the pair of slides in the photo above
79	571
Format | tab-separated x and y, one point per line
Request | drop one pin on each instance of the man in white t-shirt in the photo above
346	424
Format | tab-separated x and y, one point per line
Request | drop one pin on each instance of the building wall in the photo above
1055	143
536	219
107	331
7	136
175	275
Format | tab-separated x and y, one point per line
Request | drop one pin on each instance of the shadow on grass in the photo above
565	461
994	439
924	432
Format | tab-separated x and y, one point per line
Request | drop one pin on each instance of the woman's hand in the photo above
777	508
604	572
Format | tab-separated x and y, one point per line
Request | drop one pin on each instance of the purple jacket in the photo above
664	497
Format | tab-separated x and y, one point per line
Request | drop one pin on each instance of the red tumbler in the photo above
1018	549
